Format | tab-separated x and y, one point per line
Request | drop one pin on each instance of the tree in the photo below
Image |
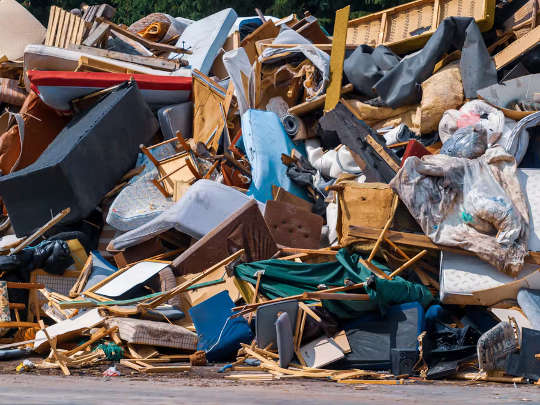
129	11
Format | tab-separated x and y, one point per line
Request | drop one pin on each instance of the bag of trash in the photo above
473	113
469	142
442	91
473	204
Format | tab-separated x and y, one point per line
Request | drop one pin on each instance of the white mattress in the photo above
461	275
204	38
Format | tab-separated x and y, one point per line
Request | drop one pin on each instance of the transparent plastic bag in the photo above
473	204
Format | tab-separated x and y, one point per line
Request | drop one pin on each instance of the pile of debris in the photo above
252	191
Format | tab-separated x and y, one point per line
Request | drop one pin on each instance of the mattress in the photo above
205	205
461	275
57	89
42	57
162	334
204	38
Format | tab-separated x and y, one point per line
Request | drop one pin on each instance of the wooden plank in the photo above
408	263
24	286
335	296
153	62
63	32
58	27
206	111
382	29
71	27
337	57
96	35
57	218
80	31
517	48
165	369
16	324
52	14
316	103
420	241
89	64
436	15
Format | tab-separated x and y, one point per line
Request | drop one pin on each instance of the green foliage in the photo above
129	11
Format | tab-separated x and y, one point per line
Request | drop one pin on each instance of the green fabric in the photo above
283	278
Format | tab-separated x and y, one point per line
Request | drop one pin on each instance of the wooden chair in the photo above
175	173
32	308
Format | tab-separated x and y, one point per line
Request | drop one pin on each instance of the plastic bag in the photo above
473	204
469	142
474	113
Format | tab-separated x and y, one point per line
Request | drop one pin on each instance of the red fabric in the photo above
104	80
414	148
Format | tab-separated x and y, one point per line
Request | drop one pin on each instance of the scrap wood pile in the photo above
253	191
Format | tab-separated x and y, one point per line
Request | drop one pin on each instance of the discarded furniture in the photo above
83	150
65	28
407	27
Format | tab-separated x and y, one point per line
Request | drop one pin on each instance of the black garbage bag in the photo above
367	65
53	256
402	85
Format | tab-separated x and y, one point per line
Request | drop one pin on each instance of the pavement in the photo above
179	389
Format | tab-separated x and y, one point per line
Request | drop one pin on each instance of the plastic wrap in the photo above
469	142
473	204
474	113
237	64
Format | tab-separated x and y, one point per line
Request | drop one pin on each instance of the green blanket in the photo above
283	278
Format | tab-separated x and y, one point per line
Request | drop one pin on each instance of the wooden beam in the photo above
335	296
56	219
150	61
420	241
408	263
517	48
97	35
316	103
337	57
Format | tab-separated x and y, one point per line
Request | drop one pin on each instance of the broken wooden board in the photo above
207	119
316	103
265	31
90	64
420	241
155	63
517	48
337	57
97	35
